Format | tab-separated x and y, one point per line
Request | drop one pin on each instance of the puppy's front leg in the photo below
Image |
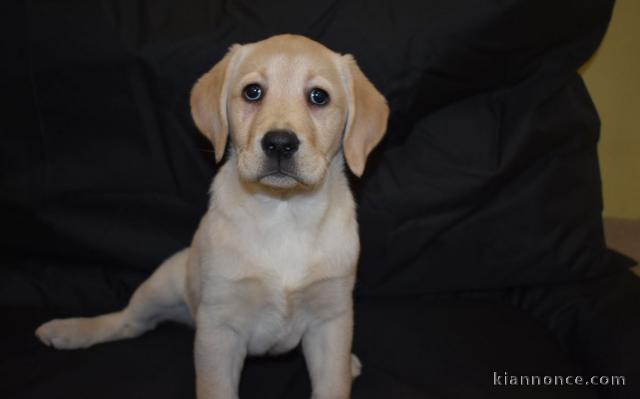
219	356
327	351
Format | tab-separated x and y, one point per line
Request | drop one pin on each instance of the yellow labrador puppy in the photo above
273	262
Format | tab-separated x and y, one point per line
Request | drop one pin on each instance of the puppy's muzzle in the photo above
279	165
280	144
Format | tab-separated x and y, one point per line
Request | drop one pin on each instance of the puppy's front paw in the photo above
65	333
356	366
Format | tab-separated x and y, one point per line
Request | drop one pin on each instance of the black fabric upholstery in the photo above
482	242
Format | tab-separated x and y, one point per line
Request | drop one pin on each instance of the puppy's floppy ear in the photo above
209	102
367	118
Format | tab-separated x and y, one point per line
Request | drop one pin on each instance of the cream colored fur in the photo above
273	262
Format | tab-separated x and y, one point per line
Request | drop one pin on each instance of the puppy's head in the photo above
289	105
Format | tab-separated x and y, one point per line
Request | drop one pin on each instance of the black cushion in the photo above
488	176
410	348
438	345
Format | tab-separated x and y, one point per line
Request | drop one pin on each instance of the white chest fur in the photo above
270	267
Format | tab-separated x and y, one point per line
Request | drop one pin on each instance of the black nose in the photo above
280	143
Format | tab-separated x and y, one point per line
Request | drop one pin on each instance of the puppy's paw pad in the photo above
356	366
62	334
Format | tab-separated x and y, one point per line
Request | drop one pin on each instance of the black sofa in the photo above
480	214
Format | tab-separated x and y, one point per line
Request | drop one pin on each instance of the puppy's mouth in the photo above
280	178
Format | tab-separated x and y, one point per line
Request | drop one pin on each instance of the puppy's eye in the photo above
252	92
318	97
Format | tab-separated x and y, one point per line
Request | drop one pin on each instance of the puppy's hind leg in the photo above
161	297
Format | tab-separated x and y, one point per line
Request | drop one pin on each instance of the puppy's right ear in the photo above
209	102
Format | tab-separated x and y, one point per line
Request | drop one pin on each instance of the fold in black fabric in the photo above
488	177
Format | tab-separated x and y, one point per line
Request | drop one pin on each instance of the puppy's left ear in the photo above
367	118
209	102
